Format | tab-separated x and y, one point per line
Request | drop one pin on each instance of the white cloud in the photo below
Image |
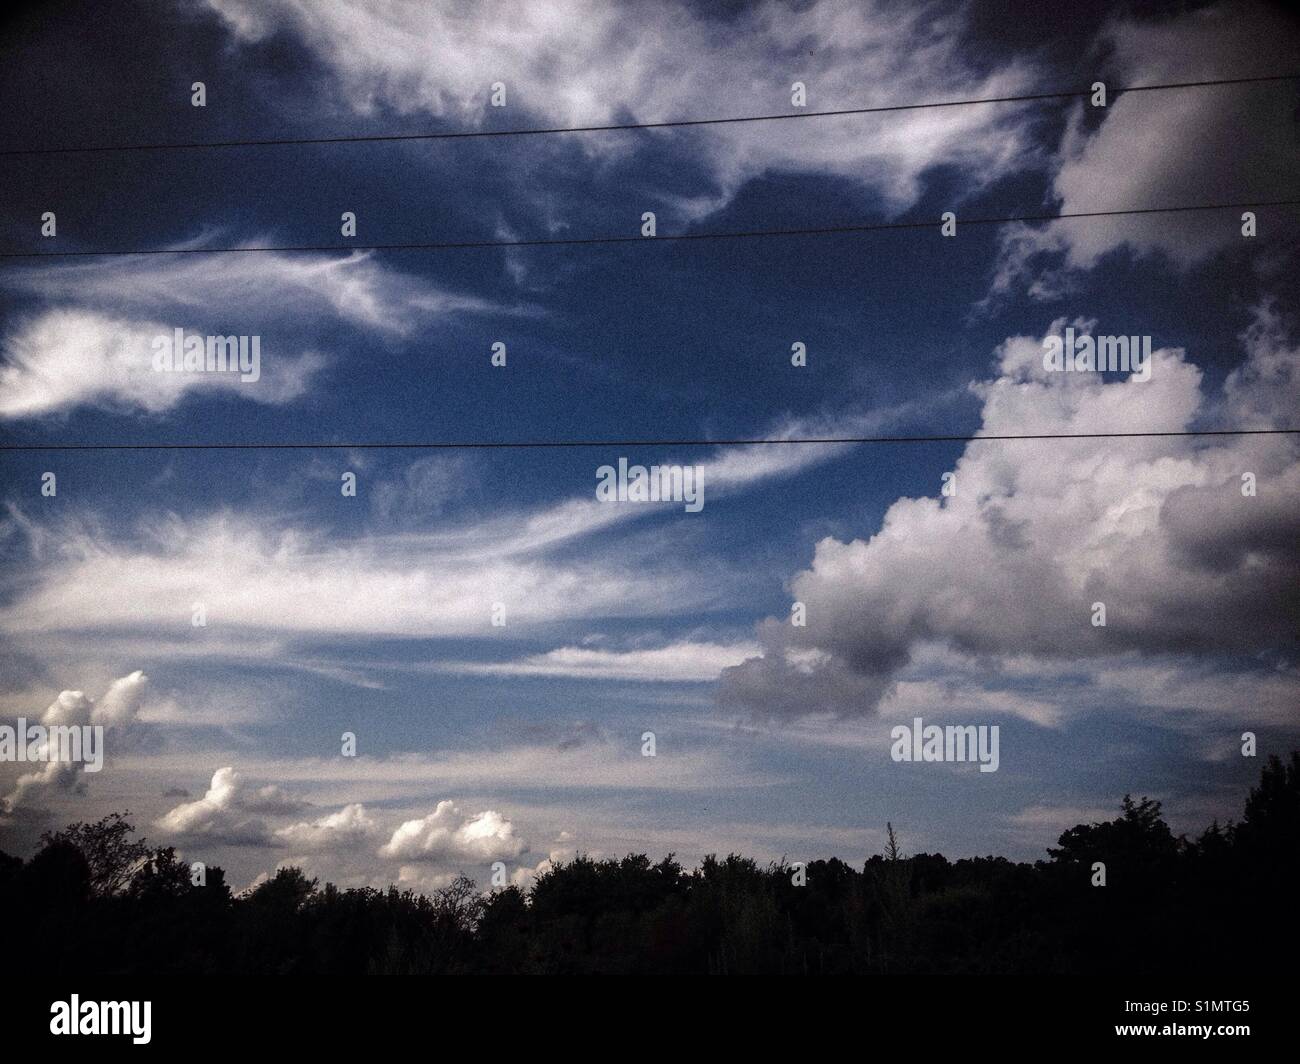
257	574
524	877
583	62
680	662
1156	529
90	343
31	787
116	711
447	834
227	293
68	358
224	813
292	581
349	827
593	766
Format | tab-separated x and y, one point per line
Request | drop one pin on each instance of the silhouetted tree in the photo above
95	900
111	854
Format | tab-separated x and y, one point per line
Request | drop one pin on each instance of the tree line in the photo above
96	900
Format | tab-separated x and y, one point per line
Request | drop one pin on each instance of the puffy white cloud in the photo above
118	706
524	876
349	827
115	711
1156	529
222	815
447	834
583	62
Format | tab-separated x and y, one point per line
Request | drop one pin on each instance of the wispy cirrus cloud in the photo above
66	358
88	343
580	62
257	573
678	662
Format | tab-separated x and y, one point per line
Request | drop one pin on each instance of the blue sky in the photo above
371	614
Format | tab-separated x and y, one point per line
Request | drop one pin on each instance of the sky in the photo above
328	612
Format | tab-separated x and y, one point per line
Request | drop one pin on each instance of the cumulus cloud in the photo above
525	876
351	826
582	62
119	705
447	835
1158	530
226	813
116	710
1225	144
31	787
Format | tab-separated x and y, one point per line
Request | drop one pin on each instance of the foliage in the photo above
95	900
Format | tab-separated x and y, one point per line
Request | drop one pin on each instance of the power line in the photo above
627	126
560	444
670	237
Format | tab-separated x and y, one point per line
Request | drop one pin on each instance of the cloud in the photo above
69	358
207	293
680	662
31	787
447	834
1224	144
118	706
1158	530
300	582
424	490
351	826
582	62
1038	820
90	344
115	711
524	877
225	813
578	759
256	573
